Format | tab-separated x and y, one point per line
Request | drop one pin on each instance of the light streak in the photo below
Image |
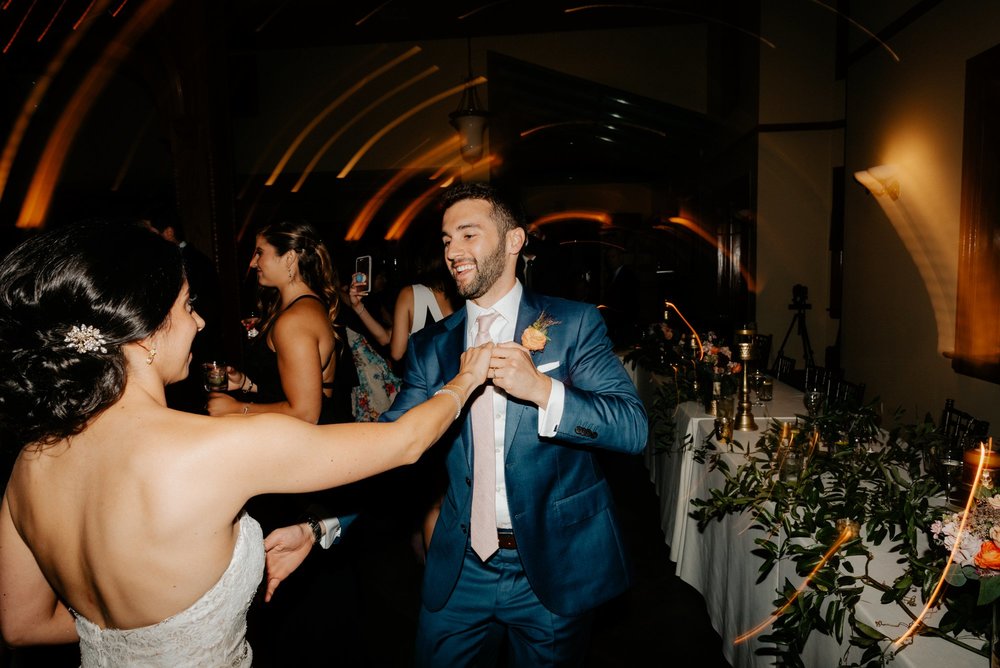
694	333
19	26
120	7
31	104
403	117
675	11
954	549
712	241
549	126
845	535
371	207
318	118
602	217
371	13
85	12
403	220
858	26
50	164
479	9
361	114
51	21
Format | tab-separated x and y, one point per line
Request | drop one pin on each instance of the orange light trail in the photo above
115	13
371	13
857	25
602	217
31	104
85	12
361	114
480	9
20	25
51	21
371	207
39	195
845	536
6	4
318	118
954	548
710	240
701	348
402	222
403	117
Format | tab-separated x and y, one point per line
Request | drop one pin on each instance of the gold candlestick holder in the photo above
744	411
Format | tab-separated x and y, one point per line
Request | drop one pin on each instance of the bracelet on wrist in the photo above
246	408
454	395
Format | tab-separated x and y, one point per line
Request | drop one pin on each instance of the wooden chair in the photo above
782	368
960	427
819	378
845	393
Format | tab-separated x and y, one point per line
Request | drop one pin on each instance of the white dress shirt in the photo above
502	331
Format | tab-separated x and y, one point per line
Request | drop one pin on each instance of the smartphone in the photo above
363	273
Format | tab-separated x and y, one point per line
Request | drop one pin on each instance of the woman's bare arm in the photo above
30	611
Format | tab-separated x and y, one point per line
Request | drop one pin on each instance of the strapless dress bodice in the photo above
211	632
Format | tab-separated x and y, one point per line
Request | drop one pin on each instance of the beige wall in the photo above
901	256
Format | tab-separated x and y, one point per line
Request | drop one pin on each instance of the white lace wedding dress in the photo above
210	633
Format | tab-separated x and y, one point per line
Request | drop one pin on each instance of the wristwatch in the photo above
316	526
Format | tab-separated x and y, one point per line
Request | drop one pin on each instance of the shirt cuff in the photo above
332	532
548	418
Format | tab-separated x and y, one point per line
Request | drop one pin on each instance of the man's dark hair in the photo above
506	212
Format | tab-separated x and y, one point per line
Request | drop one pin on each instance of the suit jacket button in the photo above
465	529
468	481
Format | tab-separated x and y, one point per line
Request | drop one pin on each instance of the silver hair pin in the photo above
86	339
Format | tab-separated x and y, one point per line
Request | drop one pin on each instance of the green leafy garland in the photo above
883	490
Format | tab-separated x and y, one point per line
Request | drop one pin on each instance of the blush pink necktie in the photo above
484	514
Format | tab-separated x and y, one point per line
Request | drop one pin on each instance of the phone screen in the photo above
362	274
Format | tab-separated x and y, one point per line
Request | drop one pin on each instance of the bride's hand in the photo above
476	362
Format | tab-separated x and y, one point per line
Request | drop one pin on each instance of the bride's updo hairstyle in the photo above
120	279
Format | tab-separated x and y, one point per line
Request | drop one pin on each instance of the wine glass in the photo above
950	477
756	378
250	324
813	401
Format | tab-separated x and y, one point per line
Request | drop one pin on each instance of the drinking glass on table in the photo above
214	377
765	392
756	378
813	401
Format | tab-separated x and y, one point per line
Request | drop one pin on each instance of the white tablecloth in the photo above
719	564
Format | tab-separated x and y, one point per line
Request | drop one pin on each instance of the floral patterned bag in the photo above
377	384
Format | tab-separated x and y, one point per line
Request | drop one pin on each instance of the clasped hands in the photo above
513	371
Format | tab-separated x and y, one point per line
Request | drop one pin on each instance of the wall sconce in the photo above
470	118
879	180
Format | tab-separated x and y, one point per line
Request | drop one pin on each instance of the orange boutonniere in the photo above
536	335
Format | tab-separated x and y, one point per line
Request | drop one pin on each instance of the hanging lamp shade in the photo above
470	121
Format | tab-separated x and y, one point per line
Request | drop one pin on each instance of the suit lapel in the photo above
527	313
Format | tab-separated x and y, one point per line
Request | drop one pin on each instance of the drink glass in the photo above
813	400
214	377
756	378
766	391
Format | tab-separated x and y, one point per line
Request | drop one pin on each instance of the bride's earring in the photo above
151	355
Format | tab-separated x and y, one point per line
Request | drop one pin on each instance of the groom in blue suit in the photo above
551	550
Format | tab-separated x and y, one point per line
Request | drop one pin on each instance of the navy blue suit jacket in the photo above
560	504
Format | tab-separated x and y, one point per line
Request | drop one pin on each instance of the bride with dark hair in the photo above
122	522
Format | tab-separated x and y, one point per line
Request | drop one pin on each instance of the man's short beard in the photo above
488	272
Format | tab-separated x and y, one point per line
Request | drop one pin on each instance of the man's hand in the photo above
513	372
286	548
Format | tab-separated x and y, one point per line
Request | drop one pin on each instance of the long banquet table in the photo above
718	561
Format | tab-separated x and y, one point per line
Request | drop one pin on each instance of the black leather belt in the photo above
505	537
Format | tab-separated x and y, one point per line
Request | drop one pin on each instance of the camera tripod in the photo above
800	305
